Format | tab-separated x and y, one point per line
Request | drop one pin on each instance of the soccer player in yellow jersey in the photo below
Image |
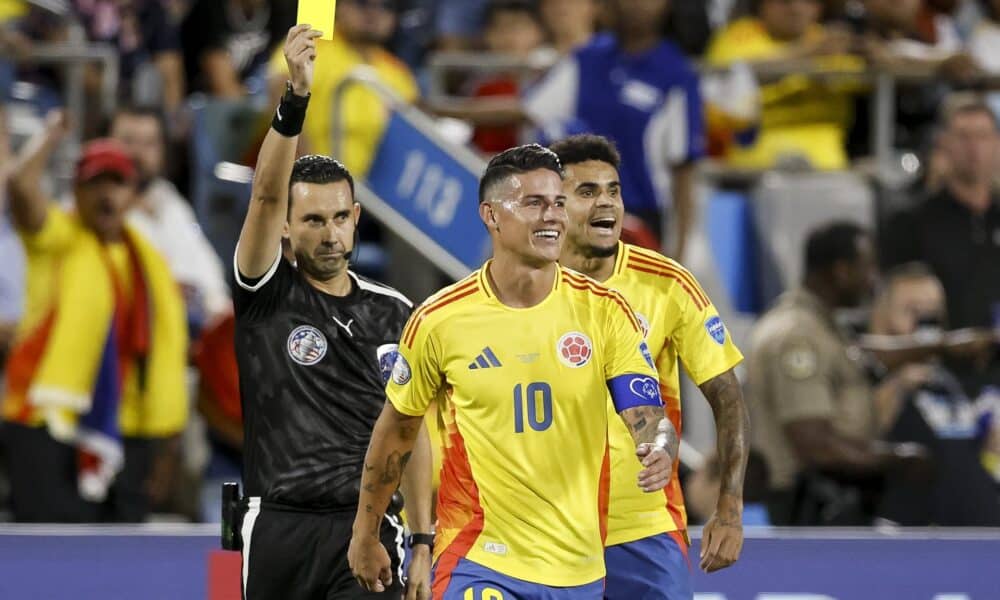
520	356
646	552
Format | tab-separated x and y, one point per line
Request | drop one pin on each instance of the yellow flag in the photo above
320	14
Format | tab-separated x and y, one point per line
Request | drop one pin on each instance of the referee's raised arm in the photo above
260	237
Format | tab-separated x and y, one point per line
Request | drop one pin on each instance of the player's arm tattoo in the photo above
732	425
649	425
388	453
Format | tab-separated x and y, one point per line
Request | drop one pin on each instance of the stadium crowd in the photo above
890	415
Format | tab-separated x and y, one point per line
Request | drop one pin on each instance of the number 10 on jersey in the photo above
535	399
487	594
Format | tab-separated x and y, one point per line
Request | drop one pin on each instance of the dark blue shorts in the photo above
470	580
653	568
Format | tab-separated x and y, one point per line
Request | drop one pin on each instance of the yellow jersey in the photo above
679	321
799	115
45	253
364	115
522	395
12	9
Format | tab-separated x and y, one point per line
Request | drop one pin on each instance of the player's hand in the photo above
369	562
722	536
300	56
418	576
659	465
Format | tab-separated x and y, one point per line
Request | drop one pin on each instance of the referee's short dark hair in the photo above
319	169
516	161
586	146
833	242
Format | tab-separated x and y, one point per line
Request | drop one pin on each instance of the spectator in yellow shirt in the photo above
362	29
11	9
12	42
800	116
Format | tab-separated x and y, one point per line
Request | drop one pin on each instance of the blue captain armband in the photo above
630	391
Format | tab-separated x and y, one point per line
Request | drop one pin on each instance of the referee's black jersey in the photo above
312	371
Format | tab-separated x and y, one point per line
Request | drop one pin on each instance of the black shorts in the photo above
297	555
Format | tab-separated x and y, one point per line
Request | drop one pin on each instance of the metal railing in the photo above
72	56
883	84
382	210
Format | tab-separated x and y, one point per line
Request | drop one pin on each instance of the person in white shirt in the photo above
167	220
12	274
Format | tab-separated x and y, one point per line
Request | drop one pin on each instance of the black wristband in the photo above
291	113
426	539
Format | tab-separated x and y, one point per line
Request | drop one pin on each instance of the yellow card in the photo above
320	14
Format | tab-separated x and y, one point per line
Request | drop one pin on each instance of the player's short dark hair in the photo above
516	161
319	169
586	146
496	7
831	243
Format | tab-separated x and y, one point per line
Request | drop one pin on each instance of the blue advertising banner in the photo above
904	567
432	191
170	562
71	563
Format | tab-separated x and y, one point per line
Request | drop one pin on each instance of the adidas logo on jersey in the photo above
485	360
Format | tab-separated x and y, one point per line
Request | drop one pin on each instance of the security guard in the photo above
811	402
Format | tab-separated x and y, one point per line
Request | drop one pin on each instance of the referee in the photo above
314	343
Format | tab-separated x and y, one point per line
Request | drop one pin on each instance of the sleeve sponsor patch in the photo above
716	329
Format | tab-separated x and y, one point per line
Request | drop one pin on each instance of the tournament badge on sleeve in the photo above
387	356
318	13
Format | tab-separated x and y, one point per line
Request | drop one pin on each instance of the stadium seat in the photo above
221	131
728	222
786	206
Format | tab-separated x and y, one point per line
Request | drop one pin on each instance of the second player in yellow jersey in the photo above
647	544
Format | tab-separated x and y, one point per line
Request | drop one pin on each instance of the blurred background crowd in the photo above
827	168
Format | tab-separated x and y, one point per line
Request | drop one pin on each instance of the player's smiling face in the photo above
595	208
528	216
320	227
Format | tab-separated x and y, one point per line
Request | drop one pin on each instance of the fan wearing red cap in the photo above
104	187
99	360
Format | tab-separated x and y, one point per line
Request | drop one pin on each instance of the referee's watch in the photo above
426	539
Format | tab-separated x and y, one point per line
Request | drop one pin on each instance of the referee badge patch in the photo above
401	371
307	345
